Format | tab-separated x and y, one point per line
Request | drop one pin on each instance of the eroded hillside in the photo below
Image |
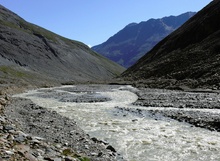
32	54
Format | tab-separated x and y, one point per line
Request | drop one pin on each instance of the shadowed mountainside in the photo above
189	56
132	42
31	54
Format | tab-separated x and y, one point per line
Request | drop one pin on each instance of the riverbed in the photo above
109	114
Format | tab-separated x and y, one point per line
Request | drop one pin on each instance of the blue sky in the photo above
94	21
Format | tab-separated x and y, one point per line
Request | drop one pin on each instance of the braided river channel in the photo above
107	113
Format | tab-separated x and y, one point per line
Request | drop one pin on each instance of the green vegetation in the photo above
9	24
69	152
10	71
84	159
34	29
37	30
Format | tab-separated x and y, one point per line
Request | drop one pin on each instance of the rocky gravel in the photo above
65	96
206	120
178	99
17	145
30	132
194	107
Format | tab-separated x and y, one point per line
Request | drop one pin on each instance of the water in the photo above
138	137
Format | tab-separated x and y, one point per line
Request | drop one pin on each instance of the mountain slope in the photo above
132	42
29	52
189	56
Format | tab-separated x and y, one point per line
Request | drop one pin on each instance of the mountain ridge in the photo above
135	39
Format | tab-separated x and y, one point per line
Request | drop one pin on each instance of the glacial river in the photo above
136	137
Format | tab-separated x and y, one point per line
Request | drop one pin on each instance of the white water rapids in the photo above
136	137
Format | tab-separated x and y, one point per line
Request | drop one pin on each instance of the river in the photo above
99	110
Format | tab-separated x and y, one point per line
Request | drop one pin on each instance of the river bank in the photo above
200	108
31	132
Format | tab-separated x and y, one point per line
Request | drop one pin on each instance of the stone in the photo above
100	154
30	157
10	137
35	141
22	148
20	139
3	101
58	146
9	152
7	128
87	146
94	154
57	159
109	147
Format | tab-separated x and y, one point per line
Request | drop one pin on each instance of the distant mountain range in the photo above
133	41
188	56
32	54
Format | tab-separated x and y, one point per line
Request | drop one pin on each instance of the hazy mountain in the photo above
133	41
189	56
31	53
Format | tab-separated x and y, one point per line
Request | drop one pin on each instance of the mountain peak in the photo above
131	24
135	39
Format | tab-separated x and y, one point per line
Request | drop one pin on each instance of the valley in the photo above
62	101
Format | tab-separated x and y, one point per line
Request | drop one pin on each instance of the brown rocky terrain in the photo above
187	57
